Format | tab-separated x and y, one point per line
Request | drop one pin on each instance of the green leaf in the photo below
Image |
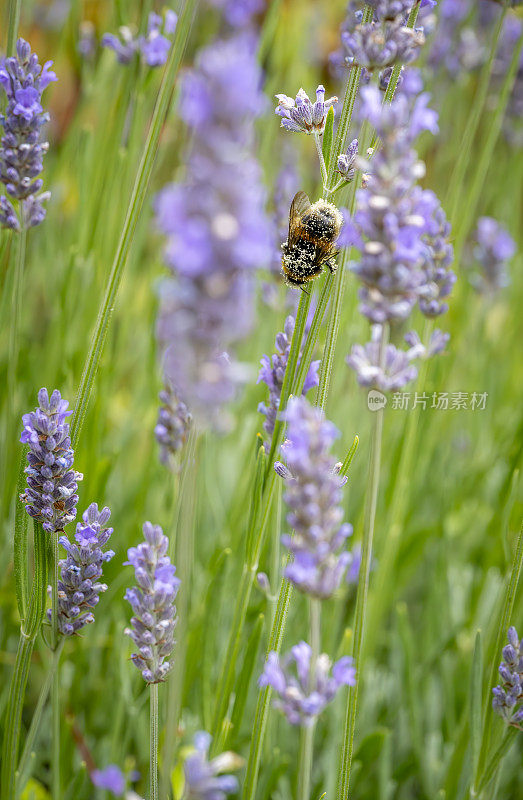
20	544
328	135
475	700
243	681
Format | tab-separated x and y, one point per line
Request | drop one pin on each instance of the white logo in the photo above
376	400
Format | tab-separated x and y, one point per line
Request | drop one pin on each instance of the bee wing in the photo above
299	206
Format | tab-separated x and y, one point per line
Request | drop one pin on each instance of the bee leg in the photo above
303	289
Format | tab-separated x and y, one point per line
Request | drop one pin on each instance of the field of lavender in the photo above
301	418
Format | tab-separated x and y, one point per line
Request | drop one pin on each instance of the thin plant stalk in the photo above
28	634
24	765
363	589
153	761
12	25
323	168
136	201
307	731
55	686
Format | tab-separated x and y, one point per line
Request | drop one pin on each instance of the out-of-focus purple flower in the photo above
494	248
204	778
437	344
23	80
313	495
239	13
390	9
272	373
172	428
400	230
111	778
397	369
86	45
218	232
152	602
153	48
79	588
301	115
290	679
508	696
346	162
50	496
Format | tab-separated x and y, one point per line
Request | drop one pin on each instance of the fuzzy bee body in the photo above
310	245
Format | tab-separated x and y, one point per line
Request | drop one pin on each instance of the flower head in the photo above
272	373
50	496
153	48
290	679
313	495
375	45
494	248
393	374
111	778
172	428
347	161
152	602
301	115
22	150
508	696
79	588
204	778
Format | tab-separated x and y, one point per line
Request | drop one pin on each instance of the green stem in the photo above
496	760
153	762
312	336
23	771
264	694
28	634
465	149
136	201
323	168
363	590
307	731
468	209
12	26
55	759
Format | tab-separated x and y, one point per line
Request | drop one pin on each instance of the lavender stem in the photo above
153	764
307	731
363	588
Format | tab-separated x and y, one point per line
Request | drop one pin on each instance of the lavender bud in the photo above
21	148
301	115
154	617
290	679
172	428
508	696
204	778
50	497
494	248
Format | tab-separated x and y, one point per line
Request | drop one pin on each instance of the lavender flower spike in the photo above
203	778
21	149
494	248
313	494
301	115
152	602
272	373
290	679
172	428
508	697
396	371
79	588
50	496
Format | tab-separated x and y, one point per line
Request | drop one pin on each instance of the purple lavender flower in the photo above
439	278
313	494
397	369
390	9
218	231
152	602
494	248
203	776
22	150
301	115
172	428
508	696
300	702
79	588
347	161
239	13
272	373
376	45
111	778
399	229
154	47
437	344
50	496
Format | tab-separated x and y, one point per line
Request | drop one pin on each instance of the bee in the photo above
310	245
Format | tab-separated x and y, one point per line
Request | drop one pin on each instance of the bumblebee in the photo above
310	245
